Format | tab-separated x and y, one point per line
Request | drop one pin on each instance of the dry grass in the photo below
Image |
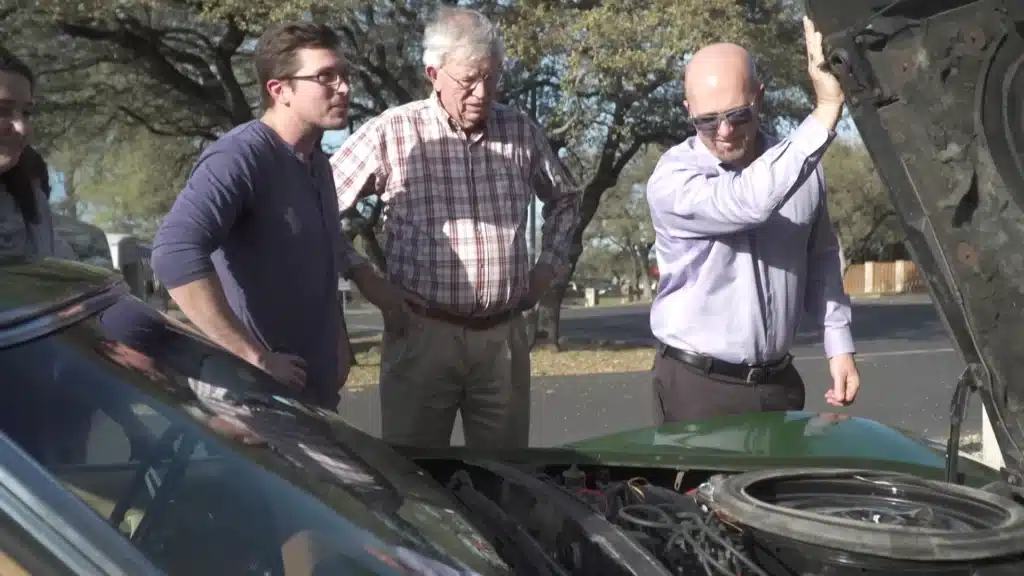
571	361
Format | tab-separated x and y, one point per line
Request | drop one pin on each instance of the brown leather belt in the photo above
468	322
751	374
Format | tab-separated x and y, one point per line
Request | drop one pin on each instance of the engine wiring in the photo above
685	530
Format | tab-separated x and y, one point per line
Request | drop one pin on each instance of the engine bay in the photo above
598	521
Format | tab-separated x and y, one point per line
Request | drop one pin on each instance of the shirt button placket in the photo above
478	243
769	305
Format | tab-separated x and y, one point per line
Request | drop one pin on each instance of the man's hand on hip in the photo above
392	301
287	369
845	380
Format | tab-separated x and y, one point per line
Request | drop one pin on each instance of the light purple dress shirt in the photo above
743	253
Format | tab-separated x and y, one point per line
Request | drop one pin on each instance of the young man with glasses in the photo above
457	172
744	247
250	250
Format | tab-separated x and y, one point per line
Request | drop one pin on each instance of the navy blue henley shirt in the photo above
266	222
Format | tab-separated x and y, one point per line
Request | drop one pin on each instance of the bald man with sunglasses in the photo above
745	247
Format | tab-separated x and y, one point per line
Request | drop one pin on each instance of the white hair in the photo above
461	35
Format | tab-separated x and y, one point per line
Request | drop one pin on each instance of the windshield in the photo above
187	452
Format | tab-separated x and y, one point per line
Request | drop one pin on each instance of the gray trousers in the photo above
684	393
438	369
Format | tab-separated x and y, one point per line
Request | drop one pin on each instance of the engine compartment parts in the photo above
843	521
578	520
568	529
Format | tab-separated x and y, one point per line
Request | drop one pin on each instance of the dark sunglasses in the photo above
735	117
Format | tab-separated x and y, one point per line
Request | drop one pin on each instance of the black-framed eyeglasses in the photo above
735	117
329	78
490	81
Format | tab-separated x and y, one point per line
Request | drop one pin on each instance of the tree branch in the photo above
238	104
161	69
139	119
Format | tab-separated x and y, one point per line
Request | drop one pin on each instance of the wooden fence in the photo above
899	277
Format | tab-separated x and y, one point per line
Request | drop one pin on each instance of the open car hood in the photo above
936	89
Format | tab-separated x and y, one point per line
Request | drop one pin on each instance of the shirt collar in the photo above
450	122
764	141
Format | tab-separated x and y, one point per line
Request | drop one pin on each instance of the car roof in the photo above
32	289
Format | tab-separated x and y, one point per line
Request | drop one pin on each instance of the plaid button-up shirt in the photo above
456	205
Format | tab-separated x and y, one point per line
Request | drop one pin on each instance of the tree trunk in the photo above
844	262
646	279
645	259
634	284
547	318
549	310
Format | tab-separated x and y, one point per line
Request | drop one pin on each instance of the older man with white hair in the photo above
457	172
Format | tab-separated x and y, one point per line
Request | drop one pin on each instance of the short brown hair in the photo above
278	47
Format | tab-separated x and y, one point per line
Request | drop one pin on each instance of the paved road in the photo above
907	364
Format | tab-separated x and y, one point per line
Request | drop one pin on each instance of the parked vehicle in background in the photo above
125	253
88	242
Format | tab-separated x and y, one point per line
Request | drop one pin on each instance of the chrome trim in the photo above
61	315
59	521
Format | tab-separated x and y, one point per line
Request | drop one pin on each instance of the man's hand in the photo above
827	90
203	302
392	301
541	278
287	369
845	380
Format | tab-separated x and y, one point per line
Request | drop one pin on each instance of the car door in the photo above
45	530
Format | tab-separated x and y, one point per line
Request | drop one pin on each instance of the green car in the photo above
132	445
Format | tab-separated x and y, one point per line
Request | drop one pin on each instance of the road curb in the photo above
607	343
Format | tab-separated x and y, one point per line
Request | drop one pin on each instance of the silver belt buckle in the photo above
756	375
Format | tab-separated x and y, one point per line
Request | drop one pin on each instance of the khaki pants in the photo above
438	368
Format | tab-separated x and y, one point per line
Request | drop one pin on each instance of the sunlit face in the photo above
467	88
318	93
725	112
15	117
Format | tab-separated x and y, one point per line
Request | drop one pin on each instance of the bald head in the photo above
720	79
719	70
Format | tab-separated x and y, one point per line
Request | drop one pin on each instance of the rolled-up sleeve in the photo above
687	201
359	171
826	301
561	197
219	189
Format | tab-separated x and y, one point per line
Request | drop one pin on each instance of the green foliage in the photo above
620	63
128	185
859	203
623	220
604	77
620	238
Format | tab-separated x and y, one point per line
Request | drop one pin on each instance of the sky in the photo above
334	138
